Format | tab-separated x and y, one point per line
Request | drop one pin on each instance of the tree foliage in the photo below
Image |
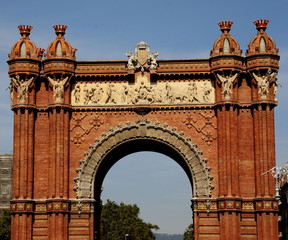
120	220
189	232
5	218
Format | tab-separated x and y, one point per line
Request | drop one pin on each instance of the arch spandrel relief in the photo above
143	92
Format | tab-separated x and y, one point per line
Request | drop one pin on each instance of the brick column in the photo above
22	205
58	176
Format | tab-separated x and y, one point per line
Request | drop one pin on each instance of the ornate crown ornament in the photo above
60	29
225	25
261	24
25	30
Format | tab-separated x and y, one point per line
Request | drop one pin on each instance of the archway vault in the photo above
136	136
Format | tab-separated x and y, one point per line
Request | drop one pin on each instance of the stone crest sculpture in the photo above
142	59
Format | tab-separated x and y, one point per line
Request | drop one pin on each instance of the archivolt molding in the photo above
143	129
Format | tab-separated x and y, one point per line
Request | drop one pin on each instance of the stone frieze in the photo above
143	92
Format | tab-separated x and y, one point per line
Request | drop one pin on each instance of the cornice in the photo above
246	105
24	106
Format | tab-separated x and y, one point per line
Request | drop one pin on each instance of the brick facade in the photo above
73	120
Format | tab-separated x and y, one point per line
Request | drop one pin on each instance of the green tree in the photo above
5	218
120	220
189	232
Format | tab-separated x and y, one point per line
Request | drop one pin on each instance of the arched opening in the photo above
141	135
226	47
23	50
135	148
157	184
262	47
59	50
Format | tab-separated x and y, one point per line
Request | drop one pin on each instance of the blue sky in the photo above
105	30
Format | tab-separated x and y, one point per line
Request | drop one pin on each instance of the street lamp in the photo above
126	235
277	173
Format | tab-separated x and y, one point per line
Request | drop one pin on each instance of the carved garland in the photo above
143	129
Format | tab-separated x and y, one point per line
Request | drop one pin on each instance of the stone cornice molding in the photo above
235	204
15	107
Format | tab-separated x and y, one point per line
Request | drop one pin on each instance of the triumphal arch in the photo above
74	119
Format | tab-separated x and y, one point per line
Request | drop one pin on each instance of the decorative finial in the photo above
60	29
225	26
41	52
25	30
261	24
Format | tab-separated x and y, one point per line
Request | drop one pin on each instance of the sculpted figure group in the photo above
227	85
58	88
22	86
142	93
264	81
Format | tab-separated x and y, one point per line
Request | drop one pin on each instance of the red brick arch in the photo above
136	136
224	104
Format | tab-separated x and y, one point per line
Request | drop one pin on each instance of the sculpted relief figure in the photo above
58	88
152	60
98	96
168	94
263	84
227	85
86	91
11	90
159	97
276	85
22	87
272	78
124	94
132	61
77	92
144	94
206	93
264	81
112	94
192	93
